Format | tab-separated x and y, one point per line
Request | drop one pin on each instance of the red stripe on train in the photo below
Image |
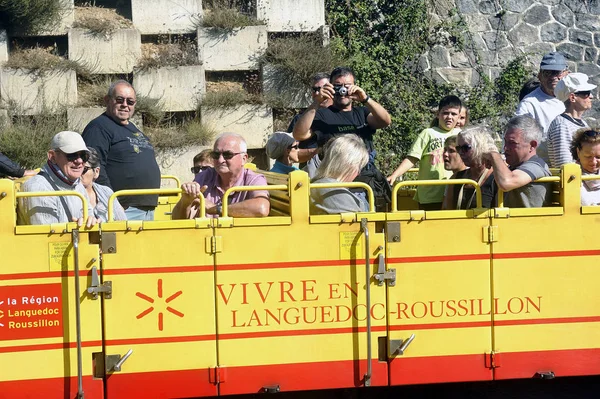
45	347
51	388
302	376
437	369
441	258
160	384
287	333
571	362
550	254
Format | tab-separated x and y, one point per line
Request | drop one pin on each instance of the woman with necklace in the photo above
471	145
575	91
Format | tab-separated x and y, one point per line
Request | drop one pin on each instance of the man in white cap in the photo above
66	159
283	148
575	92
541	104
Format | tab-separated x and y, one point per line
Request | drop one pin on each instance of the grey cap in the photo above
68	142
553	62
278	143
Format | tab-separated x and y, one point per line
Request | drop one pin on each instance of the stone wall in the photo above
501	30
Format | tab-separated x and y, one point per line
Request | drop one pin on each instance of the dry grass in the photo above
43	59
156	55
100	21
227	19
176	137
91	92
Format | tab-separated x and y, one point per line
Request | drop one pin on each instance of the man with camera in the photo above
342	117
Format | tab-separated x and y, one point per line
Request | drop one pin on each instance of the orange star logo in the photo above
160	296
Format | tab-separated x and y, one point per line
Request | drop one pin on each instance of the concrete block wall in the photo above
172	16
253	122
116	53
237	50
34	94
178	88
3	47
291	15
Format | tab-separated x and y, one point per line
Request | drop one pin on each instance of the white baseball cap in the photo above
572	83
68	142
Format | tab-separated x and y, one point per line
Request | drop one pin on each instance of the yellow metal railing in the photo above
171	177
399	185
154	191
547	179
57	194
274	187
370	195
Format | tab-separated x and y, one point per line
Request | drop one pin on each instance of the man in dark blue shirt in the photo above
126	156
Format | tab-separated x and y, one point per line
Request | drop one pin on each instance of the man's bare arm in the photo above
505	178
302	128
379	117
253	207
405	165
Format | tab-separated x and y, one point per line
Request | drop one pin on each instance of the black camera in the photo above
340	91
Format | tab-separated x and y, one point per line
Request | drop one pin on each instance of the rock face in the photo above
521	27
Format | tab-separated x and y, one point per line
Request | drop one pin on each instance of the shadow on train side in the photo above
299	302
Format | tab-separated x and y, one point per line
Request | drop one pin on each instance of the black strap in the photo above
62	199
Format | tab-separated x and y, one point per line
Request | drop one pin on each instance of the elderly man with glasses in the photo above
541	104
127	159
229	155
62	172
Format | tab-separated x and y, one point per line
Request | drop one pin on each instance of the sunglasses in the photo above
293	147
553	73
76	155
121	100
86	169
227	155
592	133
316	88
197	169
463	148
583	94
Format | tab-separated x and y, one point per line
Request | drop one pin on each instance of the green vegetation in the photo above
30	16
26	140
386	43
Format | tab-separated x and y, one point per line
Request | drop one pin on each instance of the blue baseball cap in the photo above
553	62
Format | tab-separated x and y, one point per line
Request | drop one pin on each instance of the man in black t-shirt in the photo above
127	158
342	117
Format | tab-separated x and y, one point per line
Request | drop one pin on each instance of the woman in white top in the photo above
575	91
586	149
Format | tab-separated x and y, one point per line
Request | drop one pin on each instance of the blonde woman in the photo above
344	158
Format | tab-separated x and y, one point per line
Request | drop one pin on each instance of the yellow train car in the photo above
292	302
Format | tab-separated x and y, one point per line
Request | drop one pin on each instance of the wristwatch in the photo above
220	210
366	100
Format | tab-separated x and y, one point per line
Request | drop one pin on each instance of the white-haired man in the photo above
521	138
66	160
229	156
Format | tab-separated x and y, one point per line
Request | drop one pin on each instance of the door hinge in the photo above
490	234
382	275
97	288
214	244
217	375
492	360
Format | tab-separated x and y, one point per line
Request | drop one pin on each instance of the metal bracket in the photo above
545	375
392	231
97	288
271	388
115	362
382	275
108	243
399	346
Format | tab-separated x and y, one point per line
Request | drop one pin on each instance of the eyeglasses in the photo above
293	147
553	74
463	148
227	155
583	94
197	169
86	169
76	155
121	100
317	88
592	133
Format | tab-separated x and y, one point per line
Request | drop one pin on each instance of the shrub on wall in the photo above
30	16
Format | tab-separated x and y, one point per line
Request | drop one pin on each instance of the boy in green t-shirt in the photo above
427	150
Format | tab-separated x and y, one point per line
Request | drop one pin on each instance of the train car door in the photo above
159	320
38	307
291	300
545	273
438	288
